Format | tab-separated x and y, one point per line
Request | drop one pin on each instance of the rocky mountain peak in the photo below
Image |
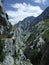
46	11
47	8
44	15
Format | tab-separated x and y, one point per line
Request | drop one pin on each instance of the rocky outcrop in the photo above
25	24
4	25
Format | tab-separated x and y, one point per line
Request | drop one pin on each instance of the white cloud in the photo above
22	11
40	1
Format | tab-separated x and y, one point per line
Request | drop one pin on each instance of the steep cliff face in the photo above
11	48
14	53
4	24
3	15
37	43
4	33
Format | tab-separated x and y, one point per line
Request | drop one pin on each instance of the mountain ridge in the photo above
31	21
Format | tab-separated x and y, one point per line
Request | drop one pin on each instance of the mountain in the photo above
25	23
34	37
3	15
37	42
29	22
44	15
23	28
25	47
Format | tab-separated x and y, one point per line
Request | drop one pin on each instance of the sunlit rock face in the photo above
9	60
9	52
14	54
14	51
9	47
19	38
40	42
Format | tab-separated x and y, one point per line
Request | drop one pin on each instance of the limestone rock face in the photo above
4	25
3	18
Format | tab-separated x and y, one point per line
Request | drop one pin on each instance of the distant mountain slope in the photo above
25	23
35	42
29	22
44	15
38	42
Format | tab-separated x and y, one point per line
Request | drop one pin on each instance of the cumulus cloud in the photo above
23	10
40	1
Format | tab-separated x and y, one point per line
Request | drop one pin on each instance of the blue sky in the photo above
20	9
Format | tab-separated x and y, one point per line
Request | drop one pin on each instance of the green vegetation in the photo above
15	55
46	22
12	27
31	38
6	15
2	54
34	53
40	30
1	21
46	34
